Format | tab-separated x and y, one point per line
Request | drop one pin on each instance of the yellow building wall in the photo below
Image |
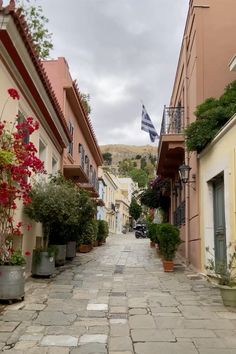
219	157
11	109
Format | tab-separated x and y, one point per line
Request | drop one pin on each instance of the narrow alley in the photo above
118	300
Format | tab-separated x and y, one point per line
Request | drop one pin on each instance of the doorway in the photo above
219	221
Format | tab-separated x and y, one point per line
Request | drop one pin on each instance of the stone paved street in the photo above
118	300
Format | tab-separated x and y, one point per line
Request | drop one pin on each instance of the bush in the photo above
62	208
169	240
211	115
153	232
103	230
87	235
95	229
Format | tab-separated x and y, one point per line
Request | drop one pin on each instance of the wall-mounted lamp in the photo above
184	174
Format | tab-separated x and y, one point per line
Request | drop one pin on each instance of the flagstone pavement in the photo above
118	300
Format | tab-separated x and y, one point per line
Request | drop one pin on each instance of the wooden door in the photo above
219	221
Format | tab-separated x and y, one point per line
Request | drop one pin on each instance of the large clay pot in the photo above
70	249
95	243
84	248
168	266
228	295
12	282
43	263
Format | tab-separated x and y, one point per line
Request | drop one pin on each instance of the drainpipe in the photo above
186	123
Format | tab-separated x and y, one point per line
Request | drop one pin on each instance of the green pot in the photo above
228	295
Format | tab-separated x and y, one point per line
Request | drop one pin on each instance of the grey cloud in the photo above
121	51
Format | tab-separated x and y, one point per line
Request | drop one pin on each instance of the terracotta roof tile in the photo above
23	29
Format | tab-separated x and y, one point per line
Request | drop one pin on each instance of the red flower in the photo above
27	253
13	93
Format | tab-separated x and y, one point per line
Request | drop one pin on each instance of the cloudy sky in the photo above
121	52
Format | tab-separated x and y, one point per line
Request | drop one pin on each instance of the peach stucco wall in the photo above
58	72
202	71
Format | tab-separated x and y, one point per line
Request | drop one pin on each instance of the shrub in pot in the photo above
153	234
106	230
17	161
223	274
95	232
86	238
57	206
103	231
169	240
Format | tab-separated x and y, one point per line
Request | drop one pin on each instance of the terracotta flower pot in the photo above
84	248
95	243
152	244
168	266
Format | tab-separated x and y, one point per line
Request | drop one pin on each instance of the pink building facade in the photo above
202	71
82	157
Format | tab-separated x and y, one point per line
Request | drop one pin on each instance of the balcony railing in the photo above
172	120
179	215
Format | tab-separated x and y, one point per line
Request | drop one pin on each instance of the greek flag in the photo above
147	125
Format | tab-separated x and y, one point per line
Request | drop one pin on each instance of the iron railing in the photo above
172	120
179	214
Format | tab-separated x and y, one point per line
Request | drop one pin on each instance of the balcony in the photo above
171	144
75	172
91	187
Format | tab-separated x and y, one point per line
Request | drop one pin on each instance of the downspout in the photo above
186	123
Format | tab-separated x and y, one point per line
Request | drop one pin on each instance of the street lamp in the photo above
184	174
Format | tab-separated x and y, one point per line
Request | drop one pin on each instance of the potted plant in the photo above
169	240
17	161
86	238
56	205
102	231
153	234
106	231
71	245
43	261
223	274
95	232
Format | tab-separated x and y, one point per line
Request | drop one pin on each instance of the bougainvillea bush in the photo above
18	161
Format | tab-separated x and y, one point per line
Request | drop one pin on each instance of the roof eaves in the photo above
23	29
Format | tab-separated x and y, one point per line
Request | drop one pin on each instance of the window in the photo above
70	147
87	167
82	156
54	166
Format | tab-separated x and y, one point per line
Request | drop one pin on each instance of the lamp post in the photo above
184	171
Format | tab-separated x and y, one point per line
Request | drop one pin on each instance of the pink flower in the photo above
13	93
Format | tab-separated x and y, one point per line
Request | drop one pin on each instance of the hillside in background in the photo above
137	162
121	152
